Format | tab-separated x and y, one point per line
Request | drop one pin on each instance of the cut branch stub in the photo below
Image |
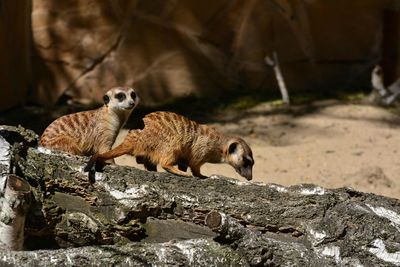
14	204
213	220
18	186
228	228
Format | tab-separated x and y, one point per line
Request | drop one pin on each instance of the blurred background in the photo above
77	49
193	56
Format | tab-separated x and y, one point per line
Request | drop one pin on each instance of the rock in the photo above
271	224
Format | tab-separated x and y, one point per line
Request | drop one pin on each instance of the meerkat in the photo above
169	139
94	131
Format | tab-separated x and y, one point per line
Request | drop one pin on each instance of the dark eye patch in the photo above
247	162
106	99
133	95
120	96
232	148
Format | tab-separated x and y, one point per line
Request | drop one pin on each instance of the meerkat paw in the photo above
91	163
196	173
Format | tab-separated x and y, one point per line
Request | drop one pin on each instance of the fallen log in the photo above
340	227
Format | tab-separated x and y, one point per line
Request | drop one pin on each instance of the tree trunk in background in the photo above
15	52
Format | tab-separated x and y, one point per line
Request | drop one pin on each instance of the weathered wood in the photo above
298	225
15	199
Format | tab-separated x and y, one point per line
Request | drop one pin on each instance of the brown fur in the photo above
169	139
94	131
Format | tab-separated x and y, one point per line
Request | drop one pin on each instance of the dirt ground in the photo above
330	143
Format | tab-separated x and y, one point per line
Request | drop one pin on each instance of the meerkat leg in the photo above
182	166
148	165
167	163
140	160
196	171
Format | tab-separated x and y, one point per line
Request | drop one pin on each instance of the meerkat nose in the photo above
131	104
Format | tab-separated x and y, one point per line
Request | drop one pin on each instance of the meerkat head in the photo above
239	155
121	99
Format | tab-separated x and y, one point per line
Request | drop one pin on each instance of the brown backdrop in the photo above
169	48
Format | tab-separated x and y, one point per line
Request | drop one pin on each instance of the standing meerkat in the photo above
94	131
169	139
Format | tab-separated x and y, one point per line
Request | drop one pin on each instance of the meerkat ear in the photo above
232	148
106	99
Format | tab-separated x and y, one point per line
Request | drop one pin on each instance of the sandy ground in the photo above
330	144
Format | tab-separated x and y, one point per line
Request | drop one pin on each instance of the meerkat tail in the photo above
120	150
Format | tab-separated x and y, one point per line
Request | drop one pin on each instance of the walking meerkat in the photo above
170	139
94	131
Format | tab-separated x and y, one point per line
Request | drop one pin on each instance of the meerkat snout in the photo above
240	157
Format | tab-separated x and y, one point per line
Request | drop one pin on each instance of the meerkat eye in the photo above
133	95
120	96
106	99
